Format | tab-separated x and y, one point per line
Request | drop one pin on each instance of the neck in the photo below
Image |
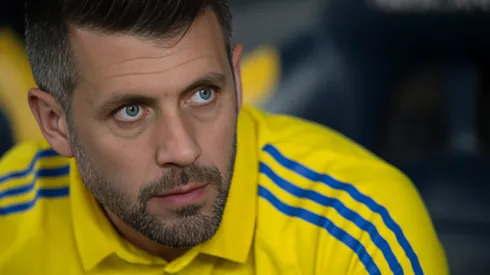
142	242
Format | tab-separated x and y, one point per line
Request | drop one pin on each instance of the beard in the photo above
191	227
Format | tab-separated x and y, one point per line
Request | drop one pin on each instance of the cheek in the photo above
120	161
124	162
216	141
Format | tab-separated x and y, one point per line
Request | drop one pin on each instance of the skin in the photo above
147	117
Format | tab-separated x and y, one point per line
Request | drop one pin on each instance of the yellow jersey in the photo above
303	200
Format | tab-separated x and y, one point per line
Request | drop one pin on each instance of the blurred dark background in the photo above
408	81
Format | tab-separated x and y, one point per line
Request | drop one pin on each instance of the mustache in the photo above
176	177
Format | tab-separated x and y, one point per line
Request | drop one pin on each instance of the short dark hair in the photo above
48	24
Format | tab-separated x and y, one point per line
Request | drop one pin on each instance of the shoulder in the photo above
348	198
33	181
28	172
295	133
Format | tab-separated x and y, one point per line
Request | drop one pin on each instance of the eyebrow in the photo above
209	79
108	106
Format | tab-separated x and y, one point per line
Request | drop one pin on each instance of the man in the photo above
151	164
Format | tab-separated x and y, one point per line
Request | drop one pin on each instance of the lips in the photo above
191	194
183	189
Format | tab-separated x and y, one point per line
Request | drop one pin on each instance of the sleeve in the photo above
410	245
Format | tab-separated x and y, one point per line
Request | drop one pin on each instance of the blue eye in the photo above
206	94
132	110
203	96
129	113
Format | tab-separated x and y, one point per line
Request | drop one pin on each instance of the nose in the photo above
177	146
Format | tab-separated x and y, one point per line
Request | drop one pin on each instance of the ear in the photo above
51	120
237	55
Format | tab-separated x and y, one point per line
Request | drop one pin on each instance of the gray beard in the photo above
191	228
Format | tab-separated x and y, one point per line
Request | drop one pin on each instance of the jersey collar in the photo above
234	237
97	239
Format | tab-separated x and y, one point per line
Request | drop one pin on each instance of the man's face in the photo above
153	129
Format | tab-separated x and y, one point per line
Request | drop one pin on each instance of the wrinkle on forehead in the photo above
150	58
169	52
106	57
162	71
102	56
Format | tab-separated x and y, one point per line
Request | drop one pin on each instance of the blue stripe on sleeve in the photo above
344	211
41	193
325	223
355	194
22	173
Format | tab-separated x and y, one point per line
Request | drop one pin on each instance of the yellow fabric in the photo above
260	73
304	200
15	81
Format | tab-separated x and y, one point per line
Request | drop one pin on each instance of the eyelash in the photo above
217	90
129	123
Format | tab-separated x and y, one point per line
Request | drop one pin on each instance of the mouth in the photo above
184	196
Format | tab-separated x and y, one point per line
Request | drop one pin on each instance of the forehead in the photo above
108	61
